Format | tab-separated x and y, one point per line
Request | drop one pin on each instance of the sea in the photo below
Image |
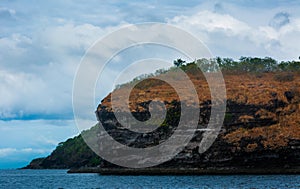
61	179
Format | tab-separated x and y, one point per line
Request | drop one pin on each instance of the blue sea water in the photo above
60	179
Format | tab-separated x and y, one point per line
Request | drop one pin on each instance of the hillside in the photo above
72	153
262	121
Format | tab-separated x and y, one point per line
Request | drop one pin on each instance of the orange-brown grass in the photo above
246	88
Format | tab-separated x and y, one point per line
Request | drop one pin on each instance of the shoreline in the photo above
188	171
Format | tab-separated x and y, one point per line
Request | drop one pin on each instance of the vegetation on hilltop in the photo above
254	65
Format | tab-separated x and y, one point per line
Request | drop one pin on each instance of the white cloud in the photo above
40	66
7	151
22	140
15	90
228	36
11	152
69	39
212	22
31	150
40	53
14	45
36	73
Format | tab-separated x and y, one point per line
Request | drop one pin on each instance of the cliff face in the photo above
261	127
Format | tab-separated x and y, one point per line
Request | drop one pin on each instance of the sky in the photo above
43	42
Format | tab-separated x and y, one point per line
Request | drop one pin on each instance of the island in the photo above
260	133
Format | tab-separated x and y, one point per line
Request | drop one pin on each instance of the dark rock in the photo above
289	95
222	155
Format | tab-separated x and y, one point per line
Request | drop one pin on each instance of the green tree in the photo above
178	62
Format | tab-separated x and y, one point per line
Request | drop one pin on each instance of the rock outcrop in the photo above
261	130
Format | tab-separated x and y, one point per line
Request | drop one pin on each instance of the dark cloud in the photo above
6	14
280	19
218	7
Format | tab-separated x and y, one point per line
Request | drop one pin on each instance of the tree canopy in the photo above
244	64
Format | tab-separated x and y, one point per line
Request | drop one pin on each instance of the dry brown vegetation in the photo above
246	88
243	88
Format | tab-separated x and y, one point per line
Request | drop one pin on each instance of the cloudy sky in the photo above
42	43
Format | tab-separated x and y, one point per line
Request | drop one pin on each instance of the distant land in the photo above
260	133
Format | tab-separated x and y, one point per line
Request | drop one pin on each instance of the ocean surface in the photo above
60	179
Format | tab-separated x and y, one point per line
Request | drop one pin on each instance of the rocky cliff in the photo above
261	130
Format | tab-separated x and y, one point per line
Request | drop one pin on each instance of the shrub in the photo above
284	77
